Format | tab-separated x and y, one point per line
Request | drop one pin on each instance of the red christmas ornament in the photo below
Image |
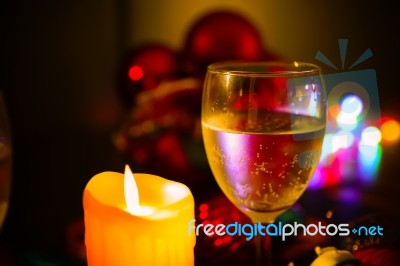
221	36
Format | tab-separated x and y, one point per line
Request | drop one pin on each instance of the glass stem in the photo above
263	250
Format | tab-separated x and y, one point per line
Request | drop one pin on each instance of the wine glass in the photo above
5	162
263	125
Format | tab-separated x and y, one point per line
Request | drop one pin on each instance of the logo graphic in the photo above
353	99
280	230
352	136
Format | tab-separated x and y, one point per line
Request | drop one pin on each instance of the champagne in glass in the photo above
263	126
260	171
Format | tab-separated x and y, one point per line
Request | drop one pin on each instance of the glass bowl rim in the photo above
241	68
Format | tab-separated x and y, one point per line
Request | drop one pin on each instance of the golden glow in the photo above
227	80
116	236
334	111
296	64
132	195
390	131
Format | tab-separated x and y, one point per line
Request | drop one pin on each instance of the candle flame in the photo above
132	195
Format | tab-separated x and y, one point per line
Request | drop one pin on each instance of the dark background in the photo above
58	68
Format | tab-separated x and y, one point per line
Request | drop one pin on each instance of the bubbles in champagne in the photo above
262	166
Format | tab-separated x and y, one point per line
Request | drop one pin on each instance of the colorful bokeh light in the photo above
390	130
369	158
135	73
370	136
352	152
350	109
352	105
